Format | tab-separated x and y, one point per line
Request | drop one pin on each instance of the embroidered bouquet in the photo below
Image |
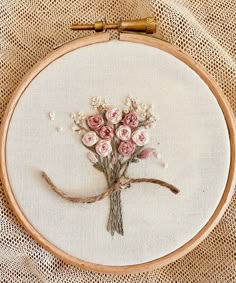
115	138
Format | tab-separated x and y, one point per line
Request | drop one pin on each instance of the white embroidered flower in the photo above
90	139
123	133
142	112
103	148
98	102
140	137
78	117
114	115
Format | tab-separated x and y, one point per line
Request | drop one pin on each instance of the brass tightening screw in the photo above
147	25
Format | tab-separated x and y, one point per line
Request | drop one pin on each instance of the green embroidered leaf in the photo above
98	167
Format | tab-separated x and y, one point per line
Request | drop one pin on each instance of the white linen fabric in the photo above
193	139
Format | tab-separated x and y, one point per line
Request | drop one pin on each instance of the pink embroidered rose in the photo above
106	132
123	133
131	120
114	115
126	148
92	158
140	137
95	121
103	148
90	138
146	153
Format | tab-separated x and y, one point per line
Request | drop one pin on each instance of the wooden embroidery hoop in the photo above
229	117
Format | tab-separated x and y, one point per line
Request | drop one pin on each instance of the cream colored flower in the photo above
103	148
90	139
140	137
123	133
114	115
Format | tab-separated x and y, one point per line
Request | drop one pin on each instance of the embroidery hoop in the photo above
104	37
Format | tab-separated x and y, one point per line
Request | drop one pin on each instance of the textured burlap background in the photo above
28	31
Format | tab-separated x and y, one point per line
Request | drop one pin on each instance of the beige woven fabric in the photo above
28	31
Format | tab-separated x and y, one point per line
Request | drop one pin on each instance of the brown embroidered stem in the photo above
80	127
115	221
121	184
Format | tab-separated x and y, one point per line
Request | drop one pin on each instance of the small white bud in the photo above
59	129
165	165
74	127
52	115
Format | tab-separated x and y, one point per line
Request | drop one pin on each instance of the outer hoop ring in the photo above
224	105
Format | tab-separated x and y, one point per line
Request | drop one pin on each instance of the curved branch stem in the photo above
78	199
172	188
122	184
